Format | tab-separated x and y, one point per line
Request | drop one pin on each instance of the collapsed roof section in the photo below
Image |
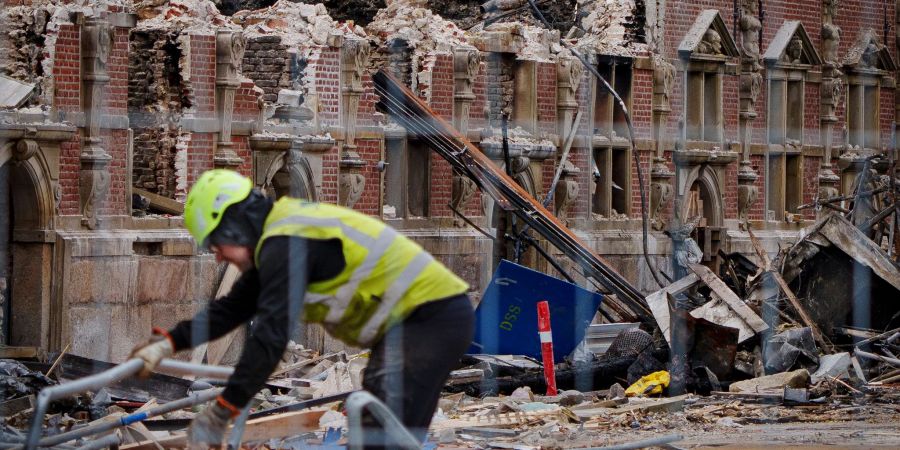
612	27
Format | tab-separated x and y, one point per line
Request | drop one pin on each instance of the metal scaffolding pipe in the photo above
105	378
100	427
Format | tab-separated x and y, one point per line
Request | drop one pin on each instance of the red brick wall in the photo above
810	183
246	107
645	158
854	16
67	98
242	148
69	165
201	92
731	191
246	102
199	155
642	103
441	67
115	142
887	115
370	201
329	191
326	67
366	112
546	98
580	156
812	134
476	109
731	106
201	88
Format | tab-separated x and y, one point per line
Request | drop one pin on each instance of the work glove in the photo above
208	428
159	347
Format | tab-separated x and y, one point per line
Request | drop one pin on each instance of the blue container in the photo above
506	318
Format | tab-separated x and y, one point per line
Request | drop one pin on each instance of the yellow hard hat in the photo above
215	191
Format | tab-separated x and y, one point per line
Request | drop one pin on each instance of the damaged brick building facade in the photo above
742	111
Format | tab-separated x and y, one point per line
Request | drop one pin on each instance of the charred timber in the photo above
398	101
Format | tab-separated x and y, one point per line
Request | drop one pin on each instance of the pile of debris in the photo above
298	24
418	27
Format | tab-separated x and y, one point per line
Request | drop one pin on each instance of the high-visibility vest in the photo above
385	278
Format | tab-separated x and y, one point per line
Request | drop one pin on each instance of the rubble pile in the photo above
610	27
298	24
419	27
186	15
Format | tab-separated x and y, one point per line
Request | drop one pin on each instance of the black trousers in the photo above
410	365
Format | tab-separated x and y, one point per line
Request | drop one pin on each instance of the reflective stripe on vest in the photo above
393	294
338	303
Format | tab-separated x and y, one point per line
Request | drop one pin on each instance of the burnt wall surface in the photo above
22	45
268	63
155	102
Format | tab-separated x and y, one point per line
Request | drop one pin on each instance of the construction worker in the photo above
366	283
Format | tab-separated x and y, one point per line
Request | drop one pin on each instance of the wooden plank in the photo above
16	405
804	317
215	350
670	404
659	305
7	352
863	250
158	202
262	429
729	297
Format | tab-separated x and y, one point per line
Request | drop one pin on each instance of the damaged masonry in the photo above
714	235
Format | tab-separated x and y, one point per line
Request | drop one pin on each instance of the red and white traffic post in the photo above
543	310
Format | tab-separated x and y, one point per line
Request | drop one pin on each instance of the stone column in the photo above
354	57
466	62
831	90
661	189
230	47
751	82
569	72
96	43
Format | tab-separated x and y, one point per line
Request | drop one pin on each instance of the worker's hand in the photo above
208	428
159	347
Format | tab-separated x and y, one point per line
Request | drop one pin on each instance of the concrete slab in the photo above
14	93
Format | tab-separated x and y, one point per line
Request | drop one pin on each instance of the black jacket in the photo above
271	297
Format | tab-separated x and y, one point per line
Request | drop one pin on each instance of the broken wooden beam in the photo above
795	303
256	430
160	203
729	297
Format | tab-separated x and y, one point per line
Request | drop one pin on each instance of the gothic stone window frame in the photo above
869	67
611	150
707	52
789	60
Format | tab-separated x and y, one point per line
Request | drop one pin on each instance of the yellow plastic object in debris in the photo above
649	384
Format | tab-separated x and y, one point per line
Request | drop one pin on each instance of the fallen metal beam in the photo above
398	101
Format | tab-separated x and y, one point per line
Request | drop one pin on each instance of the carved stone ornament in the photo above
93	185
794	52
96	46
750	26
463	189
352	185
564	196
661	193
751	84
569	74
466	63
25	149
354	57
230	47
566	191
831	33
747	190
711	43
663	82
